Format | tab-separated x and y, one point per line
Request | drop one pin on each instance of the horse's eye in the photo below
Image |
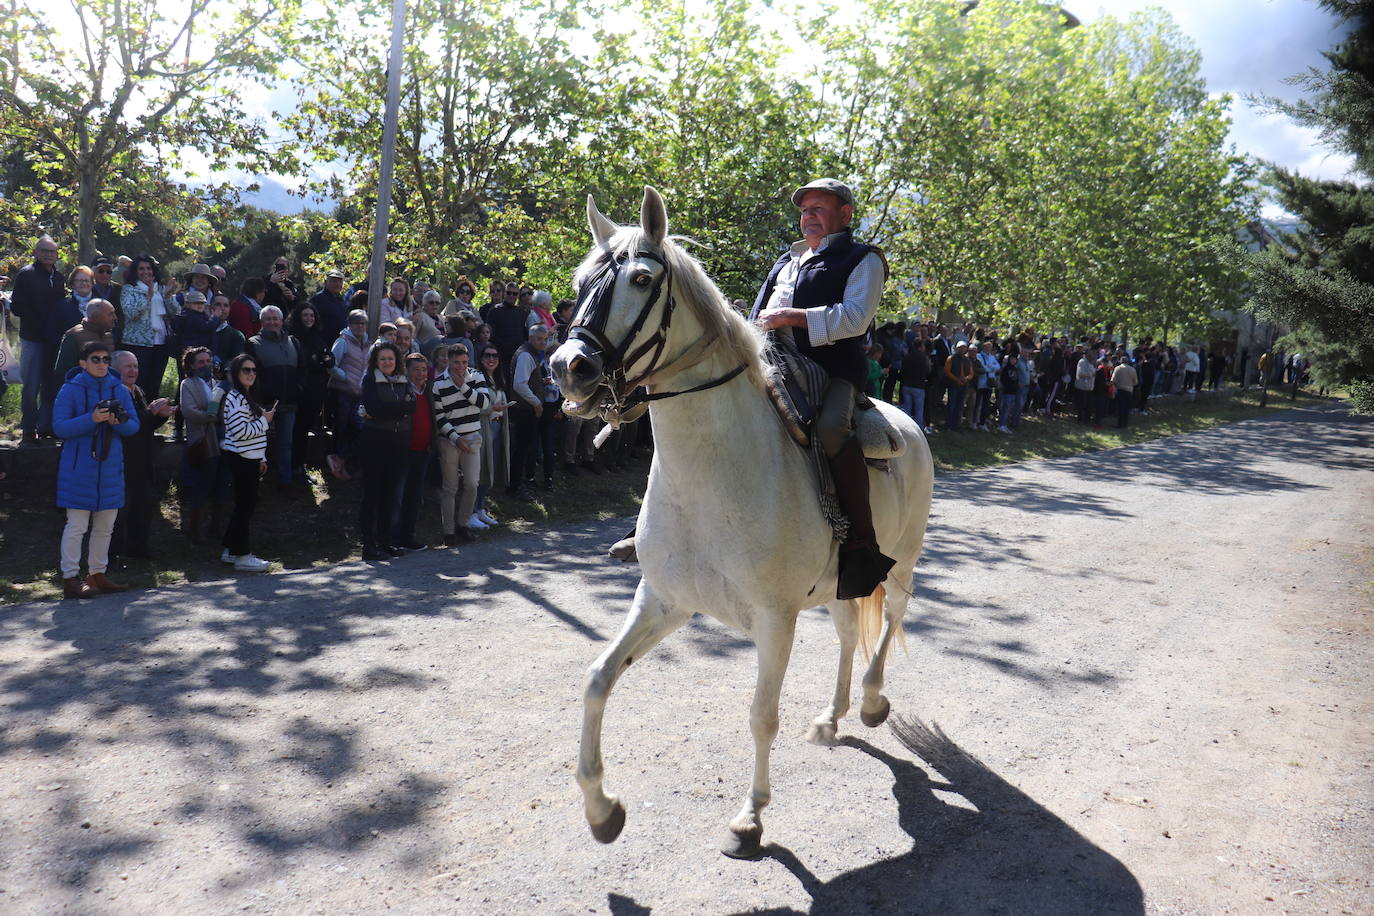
643	279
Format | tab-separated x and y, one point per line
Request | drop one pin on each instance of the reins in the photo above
625	399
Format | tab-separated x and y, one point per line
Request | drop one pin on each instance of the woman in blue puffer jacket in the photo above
90	470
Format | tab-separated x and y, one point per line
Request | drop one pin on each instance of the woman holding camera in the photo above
91	415
245	450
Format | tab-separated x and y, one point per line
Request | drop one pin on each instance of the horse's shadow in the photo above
1011	855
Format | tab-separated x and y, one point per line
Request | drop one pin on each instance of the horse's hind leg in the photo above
823	728
649	621
773	636
875	706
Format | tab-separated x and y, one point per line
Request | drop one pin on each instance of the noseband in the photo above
624	400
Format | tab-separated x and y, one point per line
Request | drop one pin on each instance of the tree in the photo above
493	100
1018	169
151	84
1323	284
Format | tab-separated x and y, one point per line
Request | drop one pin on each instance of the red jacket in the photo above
421	424
241	318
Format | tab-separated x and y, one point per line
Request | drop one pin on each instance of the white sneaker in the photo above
486	516
476	523
227	557
250	563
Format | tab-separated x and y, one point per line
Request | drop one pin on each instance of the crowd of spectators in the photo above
962	377
448	401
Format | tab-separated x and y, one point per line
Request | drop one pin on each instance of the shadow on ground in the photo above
1011	855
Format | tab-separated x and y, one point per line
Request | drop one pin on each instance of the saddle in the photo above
797	386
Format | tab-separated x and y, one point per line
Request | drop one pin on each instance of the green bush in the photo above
1362	395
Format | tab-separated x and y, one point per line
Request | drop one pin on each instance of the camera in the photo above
115	408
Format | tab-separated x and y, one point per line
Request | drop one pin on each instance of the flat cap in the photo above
831	185
335	275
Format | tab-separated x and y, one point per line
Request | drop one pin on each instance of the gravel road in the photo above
1139	681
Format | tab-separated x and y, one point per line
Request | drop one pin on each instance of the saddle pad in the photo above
878	437
796	386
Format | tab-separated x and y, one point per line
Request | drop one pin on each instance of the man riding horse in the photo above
826	288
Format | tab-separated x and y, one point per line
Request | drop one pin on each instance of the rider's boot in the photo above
862	565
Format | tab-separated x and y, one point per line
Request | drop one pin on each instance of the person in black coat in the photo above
316	361
134	525
388	403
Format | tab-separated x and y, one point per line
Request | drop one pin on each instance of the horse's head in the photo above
624	304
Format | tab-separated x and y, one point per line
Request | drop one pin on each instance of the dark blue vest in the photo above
821	282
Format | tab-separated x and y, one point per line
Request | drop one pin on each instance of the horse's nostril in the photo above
575	364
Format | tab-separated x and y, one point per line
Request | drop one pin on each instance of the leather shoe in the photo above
76	587
101	583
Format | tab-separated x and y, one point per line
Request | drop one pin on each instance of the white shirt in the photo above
851	316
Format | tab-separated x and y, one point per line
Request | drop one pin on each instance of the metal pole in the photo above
376	273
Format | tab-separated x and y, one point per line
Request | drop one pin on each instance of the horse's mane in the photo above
694	289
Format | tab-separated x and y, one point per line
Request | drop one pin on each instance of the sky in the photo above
1248	47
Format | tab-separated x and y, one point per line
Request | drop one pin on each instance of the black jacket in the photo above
36	293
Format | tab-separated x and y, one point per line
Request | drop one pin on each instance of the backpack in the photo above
1011	378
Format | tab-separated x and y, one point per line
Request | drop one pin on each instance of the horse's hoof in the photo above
873	720
746	845
822	733
609	829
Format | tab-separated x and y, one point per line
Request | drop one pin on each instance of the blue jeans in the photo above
956	406
35	364
412	487
914	404
1009	409
279	438
347	424
982	406
205	484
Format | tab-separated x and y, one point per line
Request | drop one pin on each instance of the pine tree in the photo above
1324	286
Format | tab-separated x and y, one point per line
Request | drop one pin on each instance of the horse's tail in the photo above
870	621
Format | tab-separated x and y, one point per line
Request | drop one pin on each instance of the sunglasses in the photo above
98	359
491	355
247	369
104	270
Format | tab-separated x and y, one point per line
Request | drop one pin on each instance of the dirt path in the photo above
1139	681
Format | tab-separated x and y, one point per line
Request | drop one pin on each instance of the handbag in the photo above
9	364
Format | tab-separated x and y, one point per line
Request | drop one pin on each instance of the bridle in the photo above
623	399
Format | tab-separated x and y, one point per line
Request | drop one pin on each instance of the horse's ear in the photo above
602	228
653	216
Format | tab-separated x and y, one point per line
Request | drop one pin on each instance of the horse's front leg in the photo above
649	621
875	706
773	636
825	726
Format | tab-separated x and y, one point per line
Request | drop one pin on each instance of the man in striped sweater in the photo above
459	394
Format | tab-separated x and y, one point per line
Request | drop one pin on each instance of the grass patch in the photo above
1040	438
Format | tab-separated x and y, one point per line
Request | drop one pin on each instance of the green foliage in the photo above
1362	396
1323	284
1017	170
105	111
1014	170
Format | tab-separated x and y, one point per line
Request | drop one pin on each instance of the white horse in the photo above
730	525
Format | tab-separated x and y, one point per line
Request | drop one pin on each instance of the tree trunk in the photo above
88	198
